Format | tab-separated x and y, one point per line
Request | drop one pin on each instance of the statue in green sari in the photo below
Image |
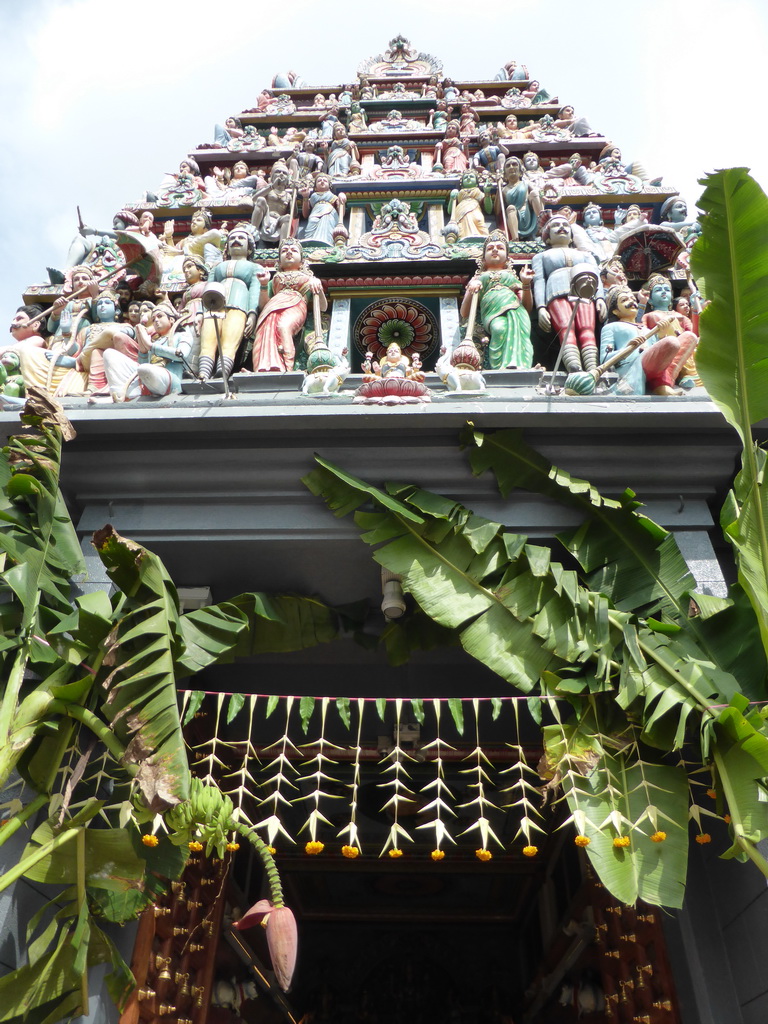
505	302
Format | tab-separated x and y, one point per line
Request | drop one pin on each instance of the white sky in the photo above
99	99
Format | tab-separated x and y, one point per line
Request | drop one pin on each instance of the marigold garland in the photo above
582	840
150	840
658	837
395	853
437	854
313	847
621	842
727	819
195	846
712	794
530	851
703	837
350	852
233	847
483	854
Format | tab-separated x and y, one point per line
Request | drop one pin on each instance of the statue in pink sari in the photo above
283	315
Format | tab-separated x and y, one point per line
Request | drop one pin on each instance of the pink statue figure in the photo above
396	380
468	121
658	289
450	154
282	316
557	272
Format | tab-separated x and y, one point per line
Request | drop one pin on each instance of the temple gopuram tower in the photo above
358	271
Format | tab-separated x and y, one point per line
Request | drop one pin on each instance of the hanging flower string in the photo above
353	846
278	781
482	824
318	778
401	792
439	804
522	789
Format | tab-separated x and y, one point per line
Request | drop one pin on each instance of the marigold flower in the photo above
703	837
150	840
621	842
727	819
195	846
233	846
271	850
437	854
530	851
314	847
582	840
395	853
658	837
712	793
350	851
483	854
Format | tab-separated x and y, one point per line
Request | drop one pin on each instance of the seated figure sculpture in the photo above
163	355
395	380
273	205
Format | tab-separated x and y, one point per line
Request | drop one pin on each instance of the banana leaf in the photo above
730	257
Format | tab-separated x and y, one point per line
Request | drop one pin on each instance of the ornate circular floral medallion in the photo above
405	321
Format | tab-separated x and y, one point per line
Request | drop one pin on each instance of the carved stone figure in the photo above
461	369
283	314
505	304
396	380
674	215
450	154
555	270
602	239
660	307
342	153
305	160
325	372
489	157
203	241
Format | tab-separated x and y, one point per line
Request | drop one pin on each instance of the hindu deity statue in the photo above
26	328
558	272
468	120
395	380
489	156
655	365
522	204
203	241
305	161
244	286
343	153
468	205
674	216
163	356
273	206
602	239
195	273
658	290
451	153
85	246
440	116
323	210
282	316
105	332
505	304
509	128
356	122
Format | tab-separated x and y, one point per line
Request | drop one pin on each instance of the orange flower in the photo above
437	854
658	837
712	793
582	840
395	853
703	837
271	850
150	840
314	847
350	851
195	846
483	854
621	842
233	846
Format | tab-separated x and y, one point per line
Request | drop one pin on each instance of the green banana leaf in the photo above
731	258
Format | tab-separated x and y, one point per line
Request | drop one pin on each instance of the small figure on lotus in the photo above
323	210
244	287
469	204
655	366
395	380
505	304
283	314
558	272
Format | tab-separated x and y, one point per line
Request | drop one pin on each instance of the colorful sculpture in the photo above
522	204
451	154
468	204
323	210
396	380
557	271
203	241
325	372
243	285
653	367
282	316
342	154
660	304
505	304
273	206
